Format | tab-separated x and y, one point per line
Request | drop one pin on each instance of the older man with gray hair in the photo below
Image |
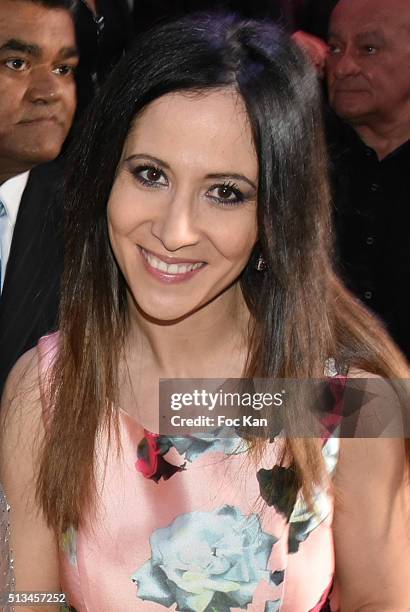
368	76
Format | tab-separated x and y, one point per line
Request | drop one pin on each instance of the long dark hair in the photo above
300	312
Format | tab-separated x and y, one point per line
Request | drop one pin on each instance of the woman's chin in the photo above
164	315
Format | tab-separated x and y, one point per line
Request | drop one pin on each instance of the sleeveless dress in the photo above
190	525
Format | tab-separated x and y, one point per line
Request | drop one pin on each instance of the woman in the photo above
198	247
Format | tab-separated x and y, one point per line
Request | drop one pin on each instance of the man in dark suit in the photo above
368	75
38	56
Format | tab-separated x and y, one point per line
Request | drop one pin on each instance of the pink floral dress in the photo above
192	525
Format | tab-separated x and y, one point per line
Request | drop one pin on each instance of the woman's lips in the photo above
173	270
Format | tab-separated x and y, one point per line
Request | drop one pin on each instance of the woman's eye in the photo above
149	175
226	194
16	64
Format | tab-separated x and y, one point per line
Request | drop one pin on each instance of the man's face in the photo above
368	67
37	88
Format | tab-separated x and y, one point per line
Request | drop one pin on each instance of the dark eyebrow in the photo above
362	37
219	175
228	175
20	45
155	160
375	34
68	52
14	44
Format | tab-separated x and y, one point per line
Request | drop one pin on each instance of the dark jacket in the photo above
29	301
372	218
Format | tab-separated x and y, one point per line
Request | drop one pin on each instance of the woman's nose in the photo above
176	226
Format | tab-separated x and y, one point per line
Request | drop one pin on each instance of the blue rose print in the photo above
330	452
68	544
221	439
272	606
303	521
152	448
206	561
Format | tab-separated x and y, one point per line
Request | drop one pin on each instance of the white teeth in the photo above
169	268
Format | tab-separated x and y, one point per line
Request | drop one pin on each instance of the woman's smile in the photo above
170	269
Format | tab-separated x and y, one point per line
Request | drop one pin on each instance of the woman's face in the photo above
182	211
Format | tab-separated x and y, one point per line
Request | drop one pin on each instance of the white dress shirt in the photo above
10	194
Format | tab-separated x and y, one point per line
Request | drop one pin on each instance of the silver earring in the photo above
261	264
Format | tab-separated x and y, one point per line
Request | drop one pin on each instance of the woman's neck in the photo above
211	342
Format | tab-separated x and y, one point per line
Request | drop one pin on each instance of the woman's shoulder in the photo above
357	372
23	393
26	369
376	406
22	380
22	427
47	346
